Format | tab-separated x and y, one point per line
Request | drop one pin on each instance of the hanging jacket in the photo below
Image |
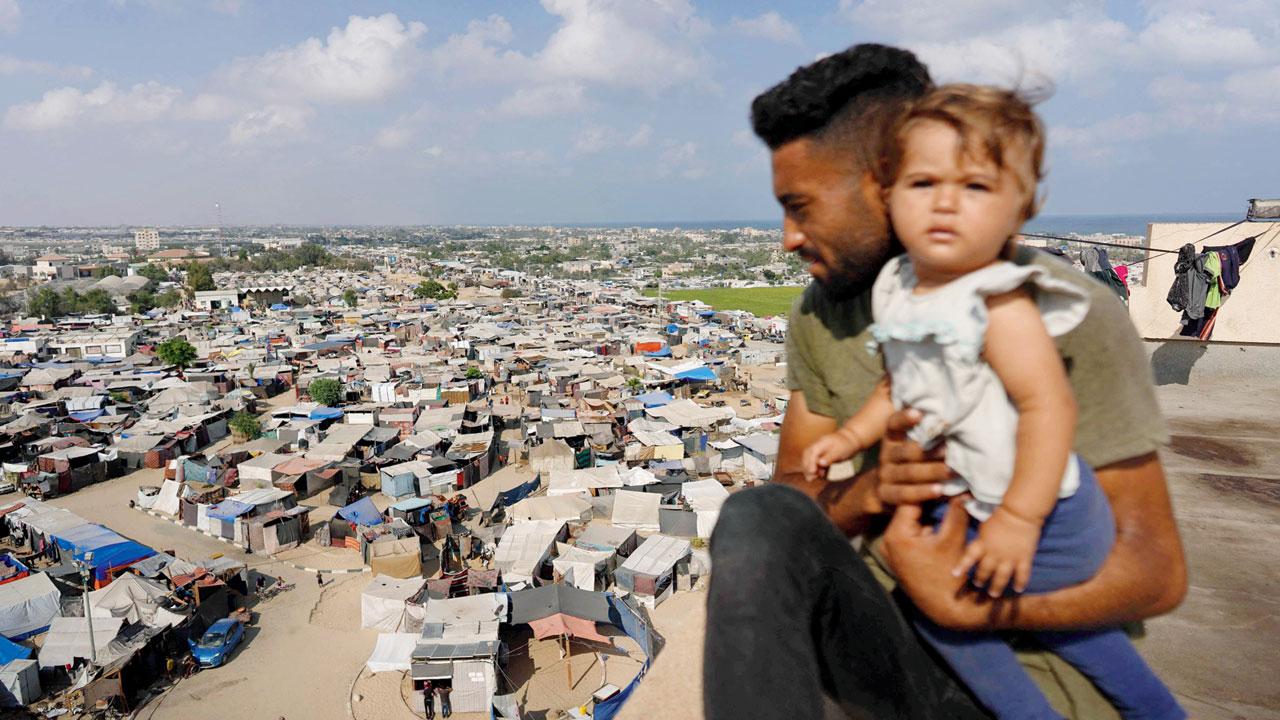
1180	292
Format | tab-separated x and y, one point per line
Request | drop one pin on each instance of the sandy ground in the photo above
1217	650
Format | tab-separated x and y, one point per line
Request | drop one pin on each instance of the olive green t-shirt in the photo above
1119	419
1118	415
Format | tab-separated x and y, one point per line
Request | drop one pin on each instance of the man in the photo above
794	613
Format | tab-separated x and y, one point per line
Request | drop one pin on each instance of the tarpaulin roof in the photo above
362	512
229	509
561	624
10	651
324	413
654	399
700	374
664	352
538	603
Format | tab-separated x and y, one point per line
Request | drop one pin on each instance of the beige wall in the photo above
1249	315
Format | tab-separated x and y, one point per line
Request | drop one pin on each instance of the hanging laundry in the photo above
1190	284
1122	272
1213	266
1098	264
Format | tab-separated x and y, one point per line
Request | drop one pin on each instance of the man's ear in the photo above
875	194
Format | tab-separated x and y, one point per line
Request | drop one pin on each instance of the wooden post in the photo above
568	662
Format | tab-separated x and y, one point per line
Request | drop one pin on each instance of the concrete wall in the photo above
1249	315
1191	362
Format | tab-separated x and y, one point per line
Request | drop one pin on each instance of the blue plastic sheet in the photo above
229	510
657	398
362	512
702	374
10	651
325	413
518	493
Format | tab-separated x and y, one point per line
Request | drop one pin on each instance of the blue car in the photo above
218	642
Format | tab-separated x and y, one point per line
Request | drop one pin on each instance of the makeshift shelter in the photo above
636	510
607	538
524	548
393	652
584	569
399	558
561	624
589	481
277	530
551	455
68	640
111	551
386	605
705	497
28	606
167	501
362	512
459	642
650	571
19	681
561	509
135	600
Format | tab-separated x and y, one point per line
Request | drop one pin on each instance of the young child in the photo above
967	339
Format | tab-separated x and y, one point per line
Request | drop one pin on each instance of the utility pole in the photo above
568	662
85	569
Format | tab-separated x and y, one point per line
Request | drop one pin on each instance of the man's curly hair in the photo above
850	97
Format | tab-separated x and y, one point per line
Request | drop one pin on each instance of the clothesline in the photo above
1128	247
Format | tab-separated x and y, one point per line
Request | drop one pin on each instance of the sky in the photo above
148	112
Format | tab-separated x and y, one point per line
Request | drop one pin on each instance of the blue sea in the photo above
1051	224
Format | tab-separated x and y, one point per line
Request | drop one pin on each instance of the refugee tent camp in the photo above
386	605
28	605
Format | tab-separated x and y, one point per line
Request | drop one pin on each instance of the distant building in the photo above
281	243
53	267
116	344
147	240
177	256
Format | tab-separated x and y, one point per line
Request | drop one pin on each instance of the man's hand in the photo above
923	560
907	473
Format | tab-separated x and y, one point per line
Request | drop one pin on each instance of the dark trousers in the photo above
794	613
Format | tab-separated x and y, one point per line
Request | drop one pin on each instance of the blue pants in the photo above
1076	539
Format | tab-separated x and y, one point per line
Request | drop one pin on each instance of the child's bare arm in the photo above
864	429
1024	357
1026	360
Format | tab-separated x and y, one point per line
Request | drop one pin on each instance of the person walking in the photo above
319	579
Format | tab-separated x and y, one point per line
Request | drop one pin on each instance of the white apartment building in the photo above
146	240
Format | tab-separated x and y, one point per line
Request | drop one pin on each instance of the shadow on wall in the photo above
1171	363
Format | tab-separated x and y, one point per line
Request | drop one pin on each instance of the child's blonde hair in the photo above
989	121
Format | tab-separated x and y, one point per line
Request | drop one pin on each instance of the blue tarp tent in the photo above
110	549
229	510
325	413
10	651
664	352
362	512
86	415
519	492
672	329
279	306
702	374
657	398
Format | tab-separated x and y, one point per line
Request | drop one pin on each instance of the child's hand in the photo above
1003	550
828	449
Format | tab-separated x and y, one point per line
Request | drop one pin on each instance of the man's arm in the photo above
1144	576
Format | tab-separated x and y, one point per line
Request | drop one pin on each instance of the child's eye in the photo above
921	183
980	187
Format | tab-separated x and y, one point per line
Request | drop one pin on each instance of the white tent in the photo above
560	508
68	639
19	683
167	501
134	599
385	606
637	476
524	547
705	497
580	564
394	651
636	510
582	482
28	605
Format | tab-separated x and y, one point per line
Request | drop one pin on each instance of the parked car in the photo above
217	643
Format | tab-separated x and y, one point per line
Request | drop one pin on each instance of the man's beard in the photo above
853	273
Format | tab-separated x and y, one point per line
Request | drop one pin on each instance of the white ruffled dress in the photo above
932	345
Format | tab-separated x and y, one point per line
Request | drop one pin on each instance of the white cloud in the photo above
367	60
651	45
270	124
947	20
10	15
544	100
227	7
393	137
64	107
681	159
592	139
475	54
10	65
1199	39
769	25
640	137
210	106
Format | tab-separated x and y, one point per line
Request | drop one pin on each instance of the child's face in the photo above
954	213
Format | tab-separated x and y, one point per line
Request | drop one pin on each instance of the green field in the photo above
761	301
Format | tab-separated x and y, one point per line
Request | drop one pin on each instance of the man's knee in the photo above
768	519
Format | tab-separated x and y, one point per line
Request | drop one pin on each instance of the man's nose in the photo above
792	237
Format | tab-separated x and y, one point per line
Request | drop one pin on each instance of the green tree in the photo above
45	303
326	391
508	293
96	302
119	397
429	290
634	384
153	273
199	278
350	298
474	373
169	299
141	301
245	424
105	271
176	351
